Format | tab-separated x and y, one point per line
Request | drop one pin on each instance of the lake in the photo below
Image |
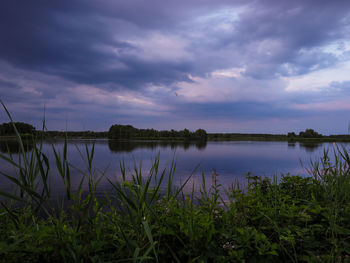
231	159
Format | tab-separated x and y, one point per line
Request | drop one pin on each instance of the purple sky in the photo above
269	66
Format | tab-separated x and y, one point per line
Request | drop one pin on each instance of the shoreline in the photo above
240	138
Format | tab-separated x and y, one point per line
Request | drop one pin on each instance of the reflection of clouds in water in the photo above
226	179
232	160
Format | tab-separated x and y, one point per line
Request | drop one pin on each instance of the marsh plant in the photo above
145	218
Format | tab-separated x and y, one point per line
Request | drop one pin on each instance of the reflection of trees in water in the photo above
310	146
200	145
129	146
78	142
291	144
12	146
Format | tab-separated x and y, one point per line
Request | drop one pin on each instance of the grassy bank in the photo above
147	219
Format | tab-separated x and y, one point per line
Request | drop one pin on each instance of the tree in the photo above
22	128
200	134
310	133
186	134
291	135
122	132
118	131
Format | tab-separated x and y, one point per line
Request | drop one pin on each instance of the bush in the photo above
309	133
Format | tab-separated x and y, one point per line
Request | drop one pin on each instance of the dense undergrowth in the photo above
147	219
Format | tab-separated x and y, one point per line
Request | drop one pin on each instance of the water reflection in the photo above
118	146
310	146
12	146
291	144
129	146
307	146
232	160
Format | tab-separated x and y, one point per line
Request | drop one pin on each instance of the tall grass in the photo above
293	219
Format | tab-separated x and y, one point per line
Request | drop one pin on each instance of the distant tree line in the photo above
6	129
291	136
73	134
129	132
237	136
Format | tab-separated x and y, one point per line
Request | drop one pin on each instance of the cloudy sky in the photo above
226	66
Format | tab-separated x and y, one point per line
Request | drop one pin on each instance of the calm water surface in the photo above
232	160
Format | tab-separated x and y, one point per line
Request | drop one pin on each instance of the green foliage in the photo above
6	129
291	220
291	135
147	219
129	132
200	134
309	133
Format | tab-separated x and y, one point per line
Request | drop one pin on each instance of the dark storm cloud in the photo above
67	38
303	23
304	62
292	29
50	48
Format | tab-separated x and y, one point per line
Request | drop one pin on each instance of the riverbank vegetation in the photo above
27	130
309	135
128	132
73	134
146	218
118	132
